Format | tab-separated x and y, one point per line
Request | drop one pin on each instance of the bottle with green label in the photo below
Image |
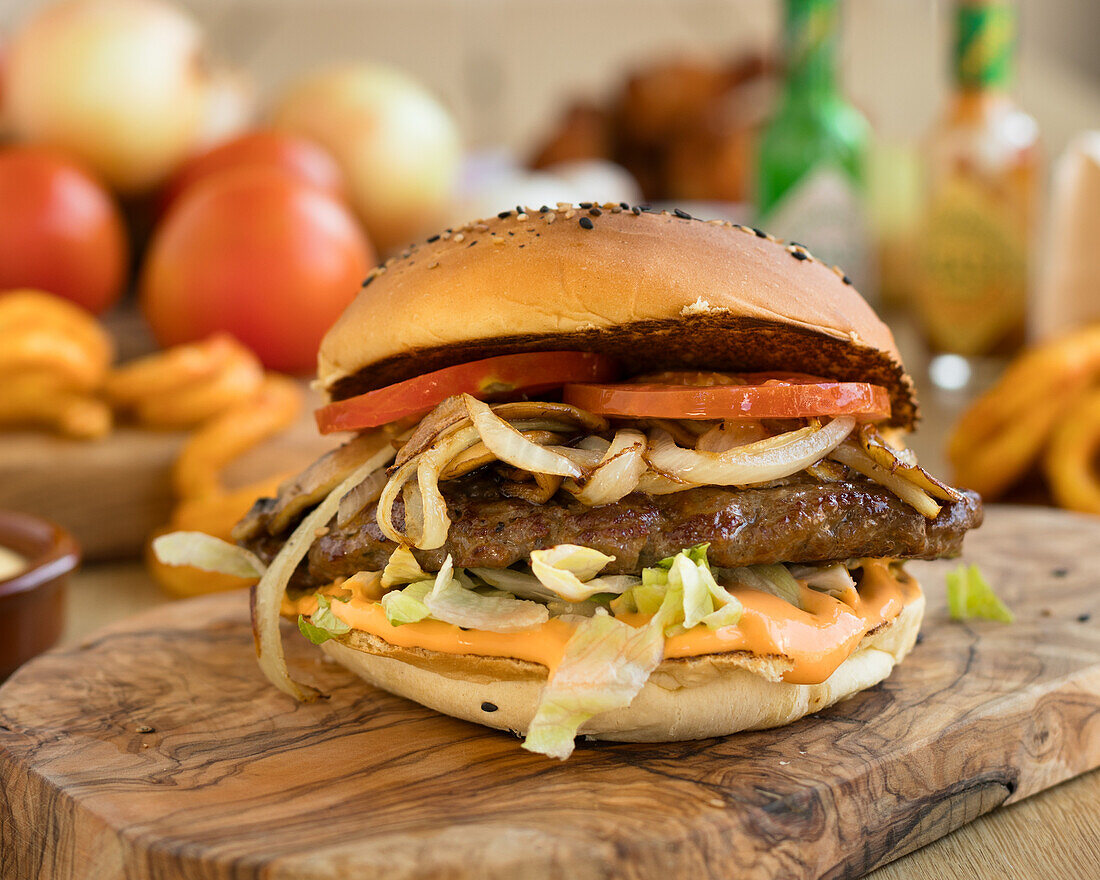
810	182
973	246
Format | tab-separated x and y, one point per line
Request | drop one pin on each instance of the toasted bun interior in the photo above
692	698
656	290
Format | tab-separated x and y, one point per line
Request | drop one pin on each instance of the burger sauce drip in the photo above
815	641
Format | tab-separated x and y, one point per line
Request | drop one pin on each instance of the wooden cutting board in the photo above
156	750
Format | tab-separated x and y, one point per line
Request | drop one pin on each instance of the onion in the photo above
585	459
426	467
267	596
755	463
858	460
653	483
543	489
117	84
729	435
903	463
617	474
511	446
397	145
479	454
366	493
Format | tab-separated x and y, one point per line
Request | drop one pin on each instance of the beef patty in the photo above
803	521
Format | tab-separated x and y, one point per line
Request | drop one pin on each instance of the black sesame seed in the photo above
760	233
595	212
145	728
920	638
800	255
646	208
585	205
368	280
544	209
504	214
488	707
519	209
499	527
635	210
586	223
682	214
1084	618
522	246
1060	572
623	205
472	243
796	244
433	239
847	280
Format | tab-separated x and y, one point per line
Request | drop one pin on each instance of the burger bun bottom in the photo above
687	699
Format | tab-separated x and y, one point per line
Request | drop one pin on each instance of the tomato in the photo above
505	374
59	230
302	159
769	397
258	255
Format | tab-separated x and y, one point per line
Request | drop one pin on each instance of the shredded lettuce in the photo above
407	605
686	578
569	571
204	551
519	583
605	664
322	625
452	602
776	580
970	595
402	568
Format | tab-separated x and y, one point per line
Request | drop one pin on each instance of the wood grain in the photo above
235	781
112	493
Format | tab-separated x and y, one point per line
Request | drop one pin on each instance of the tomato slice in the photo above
507	374
791	396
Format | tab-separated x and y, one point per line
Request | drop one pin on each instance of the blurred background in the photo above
192	190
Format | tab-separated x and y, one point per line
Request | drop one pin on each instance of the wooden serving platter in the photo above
156	750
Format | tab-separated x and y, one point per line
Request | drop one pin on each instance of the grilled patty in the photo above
803	521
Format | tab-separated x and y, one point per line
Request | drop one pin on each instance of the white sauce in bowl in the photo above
11	563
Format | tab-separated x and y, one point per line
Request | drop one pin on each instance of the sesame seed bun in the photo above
690	698
656	290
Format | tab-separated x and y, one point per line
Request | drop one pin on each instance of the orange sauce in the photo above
816	640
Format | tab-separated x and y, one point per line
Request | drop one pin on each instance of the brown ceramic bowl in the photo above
32	601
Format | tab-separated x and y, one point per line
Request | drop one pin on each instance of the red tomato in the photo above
789	397
59	230
302	159
258	255
506	374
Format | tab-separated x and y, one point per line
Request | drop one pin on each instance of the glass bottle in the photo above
810	182
973	246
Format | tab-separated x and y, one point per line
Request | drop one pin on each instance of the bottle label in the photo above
985	35
825	212
971	270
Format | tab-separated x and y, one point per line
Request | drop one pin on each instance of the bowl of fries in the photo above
1040	422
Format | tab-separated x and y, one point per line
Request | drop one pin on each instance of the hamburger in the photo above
614	472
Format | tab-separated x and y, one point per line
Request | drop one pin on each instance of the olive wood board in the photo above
155	749
112	493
